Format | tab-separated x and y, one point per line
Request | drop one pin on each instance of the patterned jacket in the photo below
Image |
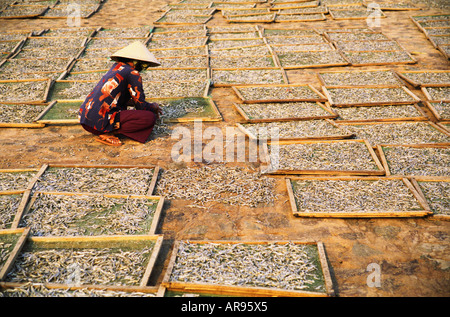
120	85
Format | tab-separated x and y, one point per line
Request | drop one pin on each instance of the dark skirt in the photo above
135	124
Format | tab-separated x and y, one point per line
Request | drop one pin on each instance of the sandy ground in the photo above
413	253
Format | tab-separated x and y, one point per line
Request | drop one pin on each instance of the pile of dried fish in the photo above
15	180
289	40
172	89
259	50
20	113
377	112
283	266
184	61
173	35
40	290
262	18
356	195
292	59
178	52
8	206
233	186
367	95
356	36
33	53
56	43
281	48
268	33
76	90
22	10
177	42
283	110
247	76
5	251
92	266
134	181
369	46
71	215
429	77
242	62
363	78
399	133
174	74
22	91
329	156
219	44
299	17
87	64
123	32
181	107
439	93
437	195
387	57
112	42
234	35
305	129
288	92
418	161
442	109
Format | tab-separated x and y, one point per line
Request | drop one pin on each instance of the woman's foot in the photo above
109	140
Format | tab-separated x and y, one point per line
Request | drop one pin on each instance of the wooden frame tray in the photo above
368	78
210	112
40	177
255	18
272	91
47	84
299	17
244	78
376	99
340	151
251	129
337	59
79	94
90	221
414	160
40	9
18	238
379	58
77	291
425	82
30	122
421	205
170	89
437	203
60	112
324	109
321	265
399	132
116	243
380	113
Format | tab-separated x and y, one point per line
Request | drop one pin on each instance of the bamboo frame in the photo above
331	12
415	181
320	97
155	220
204	288
403	75
45	167
411	60
343	134
6	267
380	168
241	111
358	214
385	163
93	242
446	53
414	99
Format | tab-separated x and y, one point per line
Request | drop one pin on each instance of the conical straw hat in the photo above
137	51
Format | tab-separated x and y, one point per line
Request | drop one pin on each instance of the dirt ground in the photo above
413	253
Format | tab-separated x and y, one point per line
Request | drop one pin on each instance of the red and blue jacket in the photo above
121	85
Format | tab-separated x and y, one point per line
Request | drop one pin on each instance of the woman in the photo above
104	112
